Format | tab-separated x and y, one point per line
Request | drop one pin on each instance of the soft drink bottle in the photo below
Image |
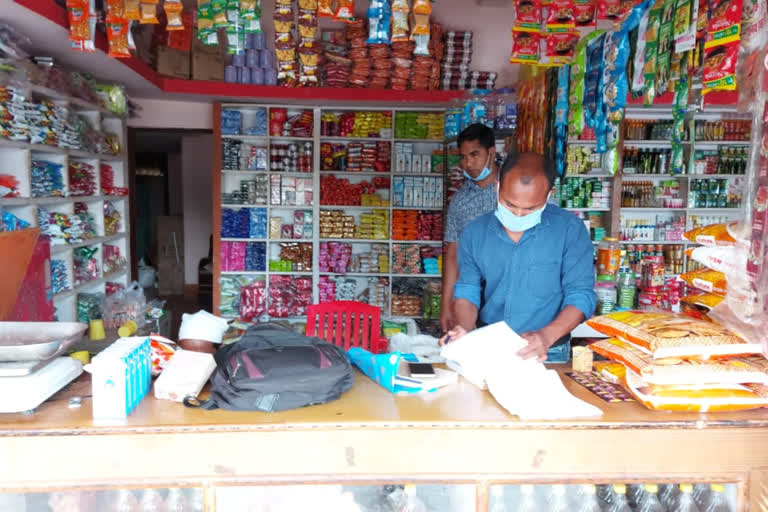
605	493
701	494
717	500
685	502
650	500
635	494
668	494
588	501
619	499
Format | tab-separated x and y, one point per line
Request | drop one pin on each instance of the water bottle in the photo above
668	494
717	500
650	500
151	501
557	500
701	494
619	499
605	493
497	492
412	503
176	501
635	494
685	501
527	500
588	501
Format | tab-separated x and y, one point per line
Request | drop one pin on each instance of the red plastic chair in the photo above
347	324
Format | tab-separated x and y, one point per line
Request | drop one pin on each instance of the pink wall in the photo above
154	113
198	209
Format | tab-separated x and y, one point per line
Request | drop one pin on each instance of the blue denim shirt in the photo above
528	283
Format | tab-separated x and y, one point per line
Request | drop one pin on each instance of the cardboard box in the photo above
207	66
174	63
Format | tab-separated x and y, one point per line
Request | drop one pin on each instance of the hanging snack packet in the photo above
115	11
651	51
132	10
670	335
576	91
219	13
715	235
724	22
585	13
149	14
560	48
325	8
638	78
706	280
379	16
561	17
720	68
525	48
593	96
609	10
682	21
77	12
666	43
699	305
527	15
400	28
420	30
117	37
345	11
615	85
250	16
729	260
173	12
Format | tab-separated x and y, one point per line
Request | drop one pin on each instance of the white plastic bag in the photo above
422	346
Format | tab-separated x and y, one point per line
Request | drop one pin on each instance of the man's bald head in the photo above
526	167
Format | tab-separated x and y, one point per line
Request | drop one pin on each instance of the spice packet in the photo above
720	68
525	48
528	15
561	17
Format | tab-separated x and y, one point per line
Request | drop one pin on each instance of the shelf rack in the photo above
225	179
16	159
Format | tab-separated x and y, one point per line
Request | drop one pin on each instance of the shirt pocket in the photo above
544	280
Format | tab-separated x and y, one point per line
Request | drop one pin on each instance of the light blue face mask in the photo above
484	174
522	223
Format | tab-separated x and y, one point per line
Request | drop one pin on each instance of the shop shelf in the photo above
244	272
656	242
425	208
417	275
242	171
425	242
243	239
93	241
356	274
587	209
290	207
650	209
425	141
714	210
246	205
323	138
255	138
357	240
354	173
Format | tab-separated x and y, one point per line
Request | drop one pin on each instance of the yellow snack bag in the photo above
672	335
714	235
710	281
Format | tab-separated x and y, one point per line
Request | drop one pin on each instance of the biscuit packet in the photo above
682	370
672	335
706	280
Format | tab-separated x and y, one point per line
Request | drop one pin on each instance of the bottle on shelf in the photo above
605	493
701	494
716	500
411	502
635	493
176	501
619	503
558	502
650	500
684	502
587	501
528	502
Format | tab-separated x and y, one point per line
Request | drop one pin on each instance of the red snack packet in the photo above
117	36
724	22
525	48
345	11
325	8
720	68
609	10
559	48
585	13
528	15
77	12
561	16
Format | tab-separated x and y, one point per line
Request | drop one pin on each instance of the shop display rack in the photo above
228	181
16	159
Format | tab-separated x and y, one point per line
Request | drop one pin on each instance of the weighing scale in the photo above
31	366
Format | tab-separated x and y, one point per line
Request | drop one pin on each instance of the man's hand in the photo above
452	335
447	319
538	344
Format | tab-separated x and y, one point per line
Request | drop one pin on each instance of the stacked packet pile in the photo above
89	223
402	61
346	289
378	293
336	58
327	289
376	260
406	259
60	228
82	179
374	225
12	114
47	179
358	54
334	257
382	66
59	278
456	73
253	300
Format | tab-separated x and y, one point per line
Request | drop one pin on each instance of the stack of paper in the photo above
524	387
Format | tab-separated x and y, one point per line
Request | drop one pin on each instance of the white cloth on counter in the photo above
202	326
524	387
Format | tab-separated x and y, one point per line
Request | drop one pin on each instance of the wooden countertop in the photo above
366	405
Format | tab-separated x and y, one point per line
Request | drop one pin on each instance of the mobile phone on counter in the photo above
421	370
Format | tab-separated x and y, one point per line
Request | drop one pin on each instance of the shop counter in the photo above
458	435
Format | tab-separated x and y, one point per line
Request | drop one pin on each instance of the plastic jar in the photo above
626	289
608	257
606	295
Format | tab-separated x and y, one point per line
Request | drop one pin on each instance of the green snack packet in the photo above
576	92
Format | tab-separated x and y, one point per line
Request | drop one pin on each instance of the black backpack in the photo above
273	368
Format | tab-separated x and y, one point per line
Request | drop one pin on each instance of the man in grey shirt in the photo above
477	148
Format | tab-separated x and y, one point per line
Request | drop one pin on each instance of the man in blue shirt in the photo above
534	259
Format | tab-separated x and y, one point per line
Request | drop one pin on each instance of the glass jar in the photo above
608	257
606	295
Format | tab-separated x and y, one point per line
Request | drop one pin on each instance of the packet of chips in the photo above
715	235
561	17
78	13
651	51
724	23
149	14
525	48
706	280
685	398
173	10
527	15
117	37
132	10
671	335
345	11
325	8
559	48
400	28
584	12
729	259
576	91
681	370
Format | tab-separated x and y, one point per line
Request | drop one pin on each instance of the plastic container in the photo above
717	501
606	295
619	503
650	500
626	289
685	502
608	257
588	501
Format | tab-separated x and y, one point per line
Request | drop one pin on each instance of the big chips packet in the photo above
525	47
576	92
527	15
681	370
707	280
664	335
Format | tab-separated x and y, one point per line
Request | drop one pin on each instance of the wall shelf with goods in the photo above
335	213
78	197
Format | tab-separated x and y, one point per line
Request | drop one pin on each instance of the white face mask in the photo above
483	174
520	223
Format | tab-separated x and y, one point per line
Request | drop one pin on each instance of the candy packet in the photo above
525	47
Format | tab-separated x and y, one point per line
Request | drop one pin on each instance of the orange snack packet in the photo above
716	398
149	14
77	12
345	10
115	11
713	235
132	11
173	12
117	36
672	335
325	8
706	280
682	370
699	305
